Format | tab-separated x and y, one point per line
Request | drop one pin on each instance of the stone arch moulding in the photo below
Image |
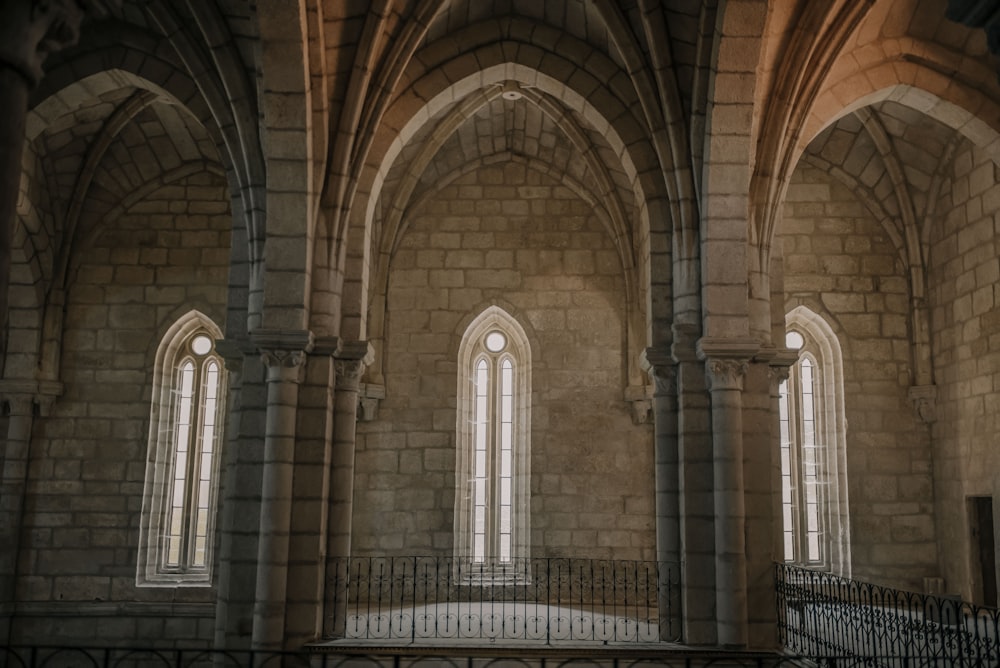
640	171
518	349
823	342
89	73
161	445
540	85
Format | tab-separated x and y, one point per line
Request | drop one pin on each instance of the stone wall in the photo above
963	275
514	237
840	263
167	254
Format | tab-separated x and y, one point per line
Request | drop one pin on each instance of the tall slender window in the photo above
182	469
812	448
491	520
801	462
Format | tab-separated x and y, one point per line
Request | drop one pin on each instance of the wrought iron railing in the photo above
823	615
548	600
406	657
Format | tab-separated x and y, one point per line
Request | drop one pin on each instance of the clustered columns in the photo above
726	364
284	354
21	399
663	371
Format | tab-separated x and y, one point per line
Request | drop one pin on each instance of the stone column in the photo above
21	399
12	489
284	355
29	31
661	368
351	362
725	365
233	353
697	504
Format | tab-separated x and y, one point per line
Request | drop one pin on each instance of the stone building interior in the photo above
293	289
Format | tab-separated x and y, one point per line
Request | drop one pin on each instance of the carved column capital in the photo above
684	346
20	405
369	397
283	352
726	361
662	369
923	398
349	373
32	29
21	396
725	373
350	362
780	366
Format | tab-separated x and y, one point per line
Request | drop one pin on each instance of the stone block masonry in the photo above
551	264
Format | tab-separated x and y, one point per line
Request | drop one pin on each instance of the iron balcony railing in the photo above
823	615
424	599
405	657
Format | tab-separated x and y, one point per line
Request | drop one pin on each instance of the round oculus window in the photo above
201	345
495	342
794	340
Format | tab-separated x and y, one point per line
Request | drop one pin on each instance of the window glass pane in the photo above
181	445
201	344
495	342
505	520
491	443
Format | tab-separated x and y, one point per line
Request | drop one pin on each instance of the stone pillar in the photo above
697	503
663	372
725	365
21	399
229	508
351	362
29	31
284	355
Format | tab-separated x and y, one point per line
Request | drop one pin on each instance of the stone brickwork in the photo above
166	255
963	279
515	237
840	263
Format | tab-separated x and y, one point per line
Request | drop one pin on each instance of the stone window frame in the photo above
172	353
471	352
821	347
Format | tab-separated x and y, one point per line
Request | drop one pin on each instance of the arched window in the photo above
493	432
182	469
813	452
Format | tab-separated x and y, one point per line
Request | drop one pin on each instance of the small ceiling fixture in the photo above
511	91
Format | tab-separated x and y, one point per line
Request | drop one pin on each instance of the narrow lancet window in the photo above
183	466
491	517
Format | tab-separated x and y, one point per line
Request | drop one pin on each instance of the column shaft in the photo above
725	382
667	490
345	424
13	488
283	372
